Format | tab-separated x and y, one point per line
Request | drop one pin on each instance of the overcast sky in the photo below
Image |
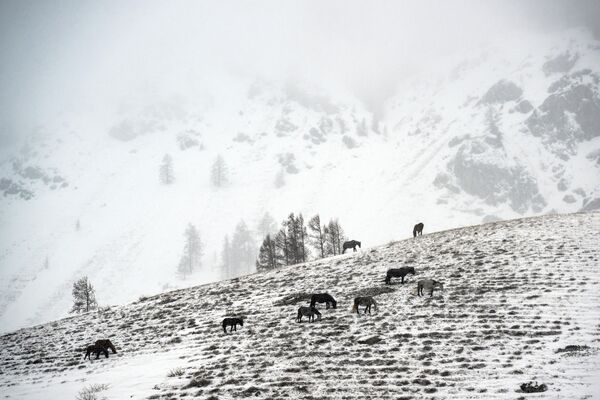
60	53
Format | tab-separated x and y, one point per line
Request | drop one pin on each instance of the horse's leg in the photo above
431	294
327	305
402	279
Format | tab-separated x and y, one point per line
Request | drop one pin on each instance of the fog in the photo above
85	55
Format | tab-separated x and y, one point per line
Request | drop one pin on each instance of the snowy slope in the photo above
516	294
501	133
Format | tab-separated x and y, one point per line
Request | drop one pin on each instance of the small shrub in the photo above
91	392
533	387
176	372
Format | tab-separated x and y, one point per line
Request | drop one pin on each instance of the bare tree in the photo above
218	172
317	235
192	252
84	296
165	171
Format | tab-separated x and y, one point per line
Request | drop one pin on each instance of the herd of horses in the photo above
311	311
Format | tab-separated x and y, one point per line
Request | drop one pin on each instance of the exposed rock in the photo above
570	115
349	142
568	198
477	175
501	92
591	205
523	107
560	64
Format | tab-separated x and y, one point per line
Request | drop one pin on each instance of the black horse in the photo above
351	245
398	273
101	346
233	322
96	350
309	312
323	298
418	229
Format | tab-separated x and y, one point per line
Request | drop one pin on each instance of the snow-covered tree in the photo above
317	235
218	172
226	267
165	171
267	255
192	252
84	296
243	250
267	226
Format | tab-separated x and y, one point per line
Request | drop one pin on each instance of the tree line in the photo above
297	242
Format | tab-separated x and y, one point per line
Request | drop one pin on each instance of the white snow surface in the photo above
516	294
376	176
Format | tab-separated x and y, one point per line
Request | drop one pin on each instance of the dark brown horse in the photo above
398	273
351	245
418	229
232	322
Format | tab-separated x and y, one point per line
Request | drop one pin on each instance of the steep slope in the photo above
511	130
516	295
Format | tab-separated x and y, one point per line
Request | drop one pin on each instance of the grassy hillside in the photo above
516	294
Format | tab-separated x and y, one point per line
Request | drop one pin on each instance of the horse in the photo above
323	298
364	301
309	312
398	273
107	344
418	229
428	284
101	346
96	350
350	245
233	322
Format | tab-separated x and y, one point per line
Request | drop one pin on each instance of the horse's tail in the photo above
354	307
375	304
388	278
415	231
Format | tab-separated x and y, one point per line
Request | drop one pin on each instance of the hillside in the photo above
503	131
516	294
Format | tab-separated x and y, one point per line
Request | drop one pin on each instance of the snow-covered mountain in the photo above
507	131
520	303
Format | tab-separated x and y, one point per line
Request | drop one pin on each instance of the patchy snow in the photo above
515	292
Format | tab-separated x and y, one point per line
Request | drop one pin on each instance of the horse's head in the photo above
242	321
438	284
334	304
358	244
411	270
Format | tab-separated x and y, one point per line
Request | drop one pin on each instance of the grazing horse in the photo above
309	312
107	344
364	301
233	322
101	346
323	298
428	284
350	245
418	229
398	273
96	350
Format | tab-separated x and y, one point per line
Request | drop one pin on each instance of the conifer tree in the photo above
84	296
